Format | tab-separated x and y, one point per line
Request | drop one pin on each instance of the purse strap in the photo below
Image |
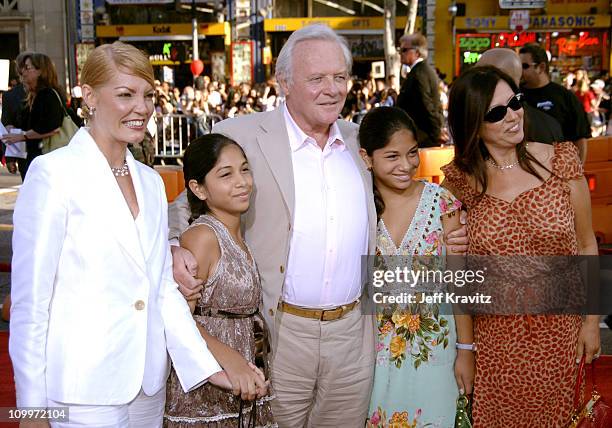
580	378
252	415
61	102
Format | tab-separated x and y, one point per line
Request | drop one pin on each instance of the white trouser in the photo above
142	412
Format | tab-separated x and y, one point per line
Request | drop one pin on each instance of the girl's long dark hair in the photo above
377	128
469	100
199	159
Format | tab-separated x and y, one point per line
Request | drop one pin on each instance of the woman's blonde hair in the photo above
103	62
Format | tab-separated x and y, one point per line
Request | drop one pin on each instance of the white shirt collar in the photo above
416	62
298	138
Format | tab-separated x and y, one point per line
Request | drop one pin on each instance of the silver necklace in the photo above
504	167
121	171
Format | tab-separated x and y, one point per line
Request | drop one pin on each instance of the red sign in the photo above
513	40
568	45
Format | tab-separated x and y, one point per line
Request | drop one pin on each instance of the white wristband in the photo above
465	346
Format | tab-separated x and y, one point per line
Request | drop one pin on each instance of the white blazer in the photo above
94	303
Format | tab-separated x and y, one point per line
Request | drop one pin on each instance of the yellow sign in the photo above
344	23
536	22
205	29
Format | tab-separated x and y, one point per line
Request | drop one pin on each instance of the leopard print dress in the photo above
525	365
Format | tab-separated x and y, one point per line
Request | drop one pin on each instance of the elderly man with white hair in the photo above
311	218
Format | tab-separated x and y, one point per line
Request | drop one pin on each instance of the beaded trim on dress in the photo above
217	418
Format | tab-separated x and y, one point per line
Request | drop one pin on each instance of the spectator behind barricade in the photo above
44	107
389	97
187	100
233	105
601	108
223	91
582	89
162	104
175	97
392	82
214	97
200	112
568	81
443	88
355	105
379	90
165	88
269	100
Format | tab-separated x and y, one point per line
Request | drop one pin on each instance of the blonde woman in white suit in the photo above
95	309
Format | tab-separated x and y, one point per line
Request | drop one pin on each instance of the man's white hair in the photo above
284	62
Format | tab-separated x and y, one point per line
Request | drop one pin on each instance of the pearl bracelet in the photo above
465	346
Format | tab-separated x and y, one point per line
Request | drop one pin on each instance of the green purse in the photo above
463	417
65	132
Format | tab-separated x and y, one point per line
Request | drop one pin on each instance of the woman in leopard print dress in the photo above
528	200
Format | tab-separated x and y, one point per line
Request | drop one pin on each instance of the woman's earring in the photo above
92	111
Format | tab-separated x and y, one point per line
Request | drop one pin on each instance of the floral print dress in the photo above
414	381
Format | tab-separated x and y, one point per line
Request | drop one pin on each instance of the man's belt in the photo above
318	314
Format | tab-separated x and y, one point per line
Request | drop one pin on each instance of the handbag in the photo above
463	417
252	420
595	413
64	134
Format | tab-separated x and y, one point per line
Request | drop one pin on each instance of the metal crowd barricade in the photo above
176	130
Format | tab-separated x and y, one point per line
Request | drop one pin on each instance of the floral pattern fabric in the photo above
414	382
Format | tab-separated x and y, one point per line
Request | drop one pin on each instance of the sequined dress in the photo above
235	288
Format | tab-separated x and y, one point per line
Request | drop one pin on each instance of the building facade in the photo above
33	25
239	39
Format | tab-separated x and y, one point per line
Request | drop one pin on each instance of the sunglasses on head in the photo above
498	113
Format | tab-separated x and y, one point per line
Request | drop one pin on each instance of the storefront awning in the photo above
536	22
161	30
362	25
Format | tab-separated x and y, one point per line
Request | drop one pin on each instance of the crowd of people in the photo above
423	95
252	280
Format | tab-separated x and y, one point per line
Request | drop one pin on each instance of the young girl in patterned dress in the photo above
219	187
418	372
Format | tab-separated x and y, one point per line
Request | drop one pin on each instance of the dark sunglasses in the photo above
527	65
404	50
498	113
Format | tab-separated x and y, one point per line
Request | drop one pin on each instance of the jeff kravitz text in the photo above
427	286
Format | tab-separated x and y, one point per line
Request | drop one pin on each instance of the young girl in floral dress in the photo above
418	371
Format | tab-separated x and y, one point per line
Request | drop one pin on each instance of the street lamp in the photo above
452	10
